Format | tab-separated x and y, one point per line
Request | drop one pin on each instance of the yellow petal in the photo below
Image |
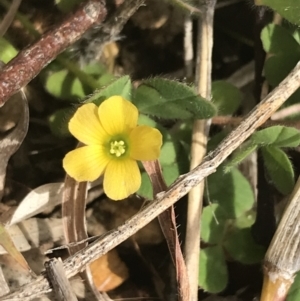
145	143
118	115
121	179
86	163
85	125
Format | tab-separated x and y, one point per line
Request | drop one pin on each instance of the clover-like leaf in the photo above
240	155
145	189
213	224
280	136
277	67
279	168
171	100
231	191
64	85
121	86
240	244
226	97
7	50
278	40
289	9
213	274
171	173
59	120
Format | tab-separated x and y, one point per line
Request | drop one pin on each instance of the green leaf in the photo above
213	274
63	85
145	190
213	224
296	35
240	155
280	136
240	244
231	191
216	139
277	67
279	168
59	121
169	151
226	97
285	49
278	40
289	9
7	50
170	173
294	292
121	86
171	100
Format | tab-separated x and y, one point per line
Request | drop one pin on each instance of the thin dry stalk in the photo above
188	46
198	147
286	112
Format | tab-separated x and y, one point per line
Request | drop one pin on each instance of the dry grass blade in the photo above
7	243
199	142
168	226
44	198
73	215
164	200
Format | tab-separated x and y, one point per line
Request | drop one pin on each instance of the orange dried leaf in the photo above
109	271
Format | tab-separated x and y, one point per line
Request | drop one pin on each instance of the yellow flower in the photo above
113	143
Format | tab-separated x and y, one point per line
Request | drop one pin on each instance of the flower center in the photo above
117	148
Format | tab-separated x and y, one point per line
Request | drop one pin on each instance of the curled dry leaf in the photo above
36	201
45	198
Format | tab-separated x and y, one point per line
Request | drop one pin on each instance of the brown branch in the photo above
30	61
